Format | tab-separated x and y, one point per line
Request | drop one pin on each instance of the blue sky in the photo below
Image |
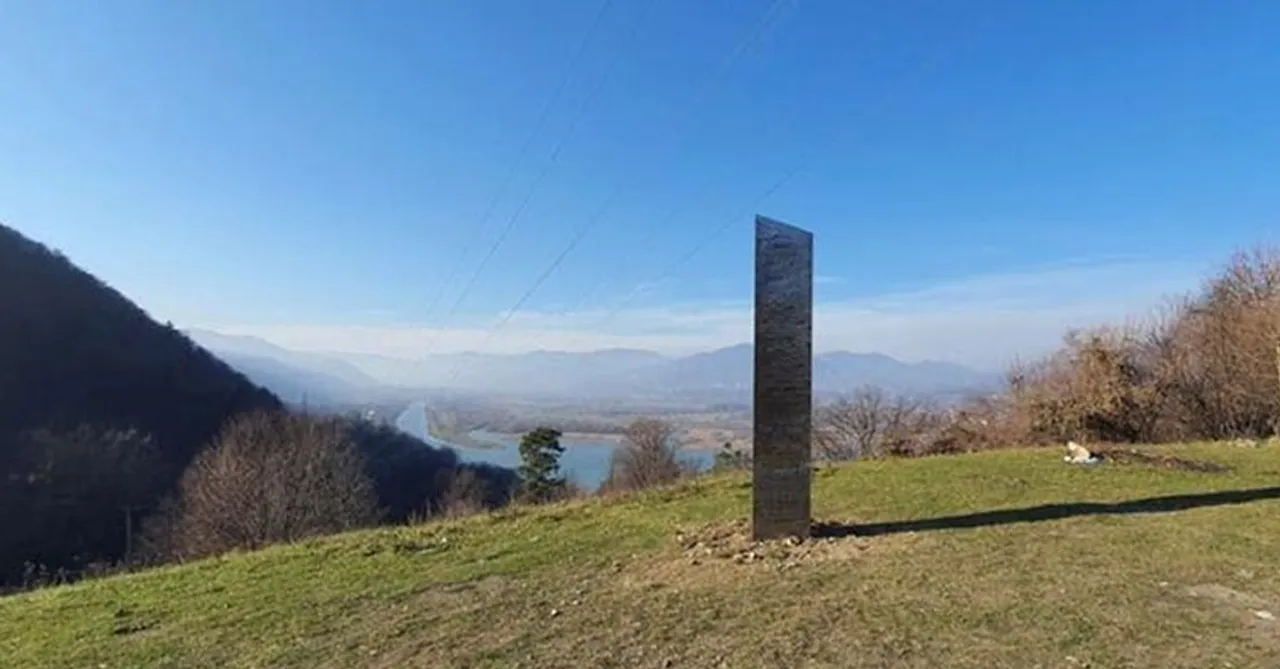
978	175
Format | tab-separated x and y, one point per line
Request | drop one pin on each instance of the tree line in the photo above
278	476
1205	366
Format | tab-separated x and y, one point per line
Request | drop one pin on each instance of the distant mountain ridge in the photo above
728	373
260	348
720	375
296	377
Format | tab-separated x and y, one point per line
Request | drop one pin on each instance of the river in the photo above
586	464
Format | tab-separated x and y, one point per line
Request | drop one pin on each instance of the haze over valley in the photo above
591	378
486	401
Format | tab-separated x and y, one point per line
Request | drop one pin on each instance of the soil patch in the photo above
731	542
1132	456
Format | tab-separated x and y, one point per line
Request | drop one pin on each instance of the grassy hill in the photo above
1007	559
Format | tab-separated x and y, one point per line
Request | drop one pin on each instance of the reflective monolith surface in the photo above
783	393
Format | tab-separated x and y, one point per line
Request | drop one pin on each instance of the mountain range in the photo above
720	375
294	376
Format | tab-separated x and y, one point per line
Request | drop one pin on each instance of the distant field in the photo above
1008	559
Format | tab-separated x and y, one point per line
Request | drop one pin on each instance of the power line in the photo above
542	278
509	177
691	253
700	245
768	20
760	28
546	169
777	185
772	16
579	234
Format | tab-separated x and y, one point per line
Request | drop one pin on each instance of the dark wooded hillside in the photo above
102	410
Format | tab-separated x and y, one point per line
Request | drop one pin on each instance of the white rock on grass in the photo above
1079	455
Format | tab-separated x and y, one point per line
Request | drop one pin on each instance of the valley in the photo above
586	459
590	397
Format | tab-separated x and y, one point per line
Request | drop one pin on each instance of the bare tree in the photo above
646	458
270	477
851	427
871	423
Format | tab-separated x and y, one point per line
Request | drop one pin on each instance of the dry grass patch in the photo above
1010	559
1134	456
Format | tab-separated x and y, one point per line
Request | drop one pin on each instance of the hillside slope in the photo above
1009	559
75	351
81	365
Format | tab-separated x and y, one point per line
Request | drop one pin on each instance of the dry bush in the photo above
647	457
1224	367
980	424
1100	387
465	494
267	478
1208	367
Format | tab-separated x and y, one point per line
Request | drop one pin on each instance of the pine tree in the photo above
539	471
731	459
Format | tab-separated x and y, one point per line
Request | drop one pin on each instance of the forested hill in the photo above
77	360
75	351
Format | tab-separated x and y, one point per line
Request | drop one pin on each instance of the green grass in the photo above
609	584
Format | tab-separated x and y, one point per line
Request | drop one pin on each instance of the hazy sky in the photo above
978	175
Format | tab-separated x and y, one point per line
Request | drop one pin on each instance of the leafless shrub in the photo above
852	427
1099	387
465	494
269	477
1225	357
1207	367
646	458
871	423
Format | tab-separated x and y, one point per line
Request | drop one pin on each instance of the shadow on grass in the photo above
1048	512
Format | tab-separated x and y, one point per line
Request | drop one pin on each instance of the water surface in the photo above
587	464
